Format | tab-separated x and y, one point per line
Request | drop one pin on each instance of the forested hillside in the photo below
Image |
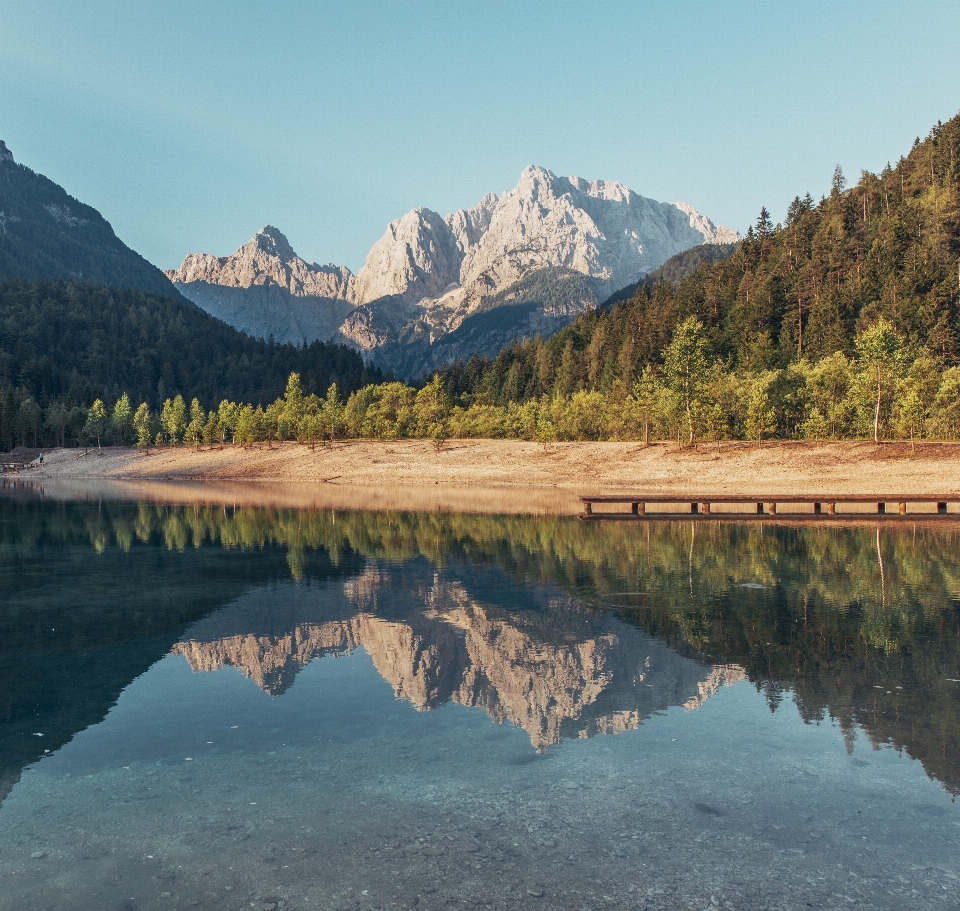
68	344
674	270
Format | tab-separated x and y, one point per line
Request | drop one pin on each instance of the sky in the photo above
190	125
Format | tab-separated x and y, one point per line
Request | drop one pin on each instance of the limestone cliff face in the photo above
448	646
469	225
416	258
265	289
267	259
600	228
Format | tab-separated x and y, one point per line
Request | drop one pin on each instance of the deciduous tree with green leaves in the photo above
761	417
684	364
880	358
96	422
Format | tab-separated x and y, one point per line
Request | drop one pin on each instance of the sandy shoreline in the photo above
493	476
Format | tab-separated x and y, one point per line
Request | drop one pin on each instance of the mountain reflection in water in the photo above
586	673
566	628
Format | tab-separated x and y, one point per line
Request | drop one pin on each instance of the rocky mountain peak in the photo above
577	240
601	229
266	259
5	153
273	242
265	289
417	257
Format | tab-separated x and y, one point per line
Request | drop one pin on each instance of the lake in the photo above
222	706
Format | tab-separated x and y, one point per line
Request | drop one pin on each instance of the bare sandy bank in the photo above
499	475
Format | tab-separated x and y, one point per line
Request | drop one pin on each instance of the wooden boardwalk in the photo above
792	506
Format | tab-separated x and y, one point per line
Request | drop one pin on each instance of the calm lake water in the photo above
218	707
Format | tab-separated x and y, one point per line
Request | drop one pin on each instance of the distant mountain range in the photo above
437	289
433	290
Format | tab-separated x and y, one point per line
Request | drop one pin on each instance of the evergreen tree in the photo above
198	420
292	411
121	421
57	418
227	416
173	419
143	425
645	396
333	413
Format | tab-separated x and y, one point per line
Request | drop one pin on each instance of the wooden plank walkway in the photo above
766	505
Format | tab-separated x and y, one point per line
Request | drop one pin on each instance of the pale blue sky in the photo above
189	124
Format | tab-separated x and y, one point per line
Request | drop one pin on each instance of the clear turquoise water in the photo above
458	730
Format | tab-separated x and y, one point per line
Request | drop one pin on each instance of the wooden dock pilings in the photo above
15	467
801	506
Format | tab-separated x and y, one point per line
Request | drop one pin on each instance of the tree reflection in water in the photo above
858	623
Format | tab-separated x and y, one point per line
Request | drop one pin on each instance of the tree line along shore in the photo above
884	391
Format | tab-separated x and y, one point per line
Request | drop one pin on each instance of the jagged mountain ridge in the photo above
427	275
265	289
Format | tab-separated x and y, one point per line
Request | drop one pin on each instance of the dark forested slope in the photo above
82	316
71	339
46	233
675	269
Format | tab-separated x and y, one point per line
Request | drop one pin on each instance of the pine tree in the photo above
333	413
292	411
173	418
194	433
121	421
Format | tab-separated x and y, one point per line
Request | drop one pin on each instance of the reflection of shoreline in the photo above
445	646
465	499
